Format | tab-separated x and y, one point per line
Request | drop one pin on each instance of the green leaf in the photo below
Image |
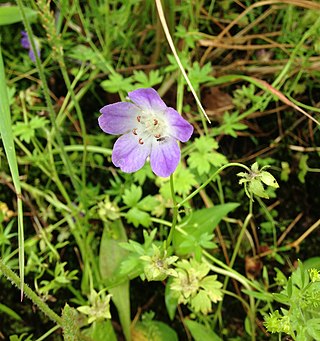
303	168
9	312
132	196
117	83
285	171
147	81
11	15
138	217
155	331
148	203
201	333
205	155
201	302
101	331
268	179
184	180
200	222
199	162
26	130
260	296
171	300
313	328
256	187
110	258
8	143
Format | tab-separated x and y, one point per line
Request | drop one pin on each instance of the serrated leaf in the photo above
117	83
26	130
147	81
138	217
148	203
205	144
132	196
197	161
201	302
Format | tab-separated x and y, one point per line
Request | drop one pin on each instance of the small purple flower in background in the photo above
25	43
148	128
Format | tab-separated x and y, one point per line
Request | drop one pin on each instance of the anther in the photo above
155	122
141	141
157	136
134	131
139	119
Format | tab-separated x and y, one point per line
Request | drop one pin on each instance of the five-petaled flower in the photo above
148	128
25	43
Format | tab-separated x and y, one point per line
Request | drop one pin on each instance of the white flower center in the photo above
150	125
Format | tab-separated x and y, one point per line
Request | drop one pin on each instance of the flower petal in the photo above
118	118
164	157
129	154
180	129
25	40
147	99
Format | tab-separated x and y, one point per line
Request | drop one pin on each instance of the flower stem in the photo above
210	179
175	213
30	293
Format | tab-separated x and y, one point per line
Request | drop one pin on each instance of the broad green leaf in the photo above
171	300
101	331
200	333
110	258
200	222
155	331
11	15
313	262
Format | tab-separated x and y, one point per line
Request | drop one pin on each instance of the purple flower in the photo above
148	128
25	43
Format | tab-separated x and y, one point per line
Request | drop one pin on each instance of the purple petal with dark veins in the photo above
147	99
119	118
164	157
129	154
180	129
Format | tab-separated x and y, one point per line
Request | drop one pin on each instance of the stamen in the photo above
134	131
139	119
157	136
155	122
141	141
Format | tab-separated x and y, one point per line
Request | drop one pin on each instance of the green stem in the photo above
12	277
232	164
50	108
175	213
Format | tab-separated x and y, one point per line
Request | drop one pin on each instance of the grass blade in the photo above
7	139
